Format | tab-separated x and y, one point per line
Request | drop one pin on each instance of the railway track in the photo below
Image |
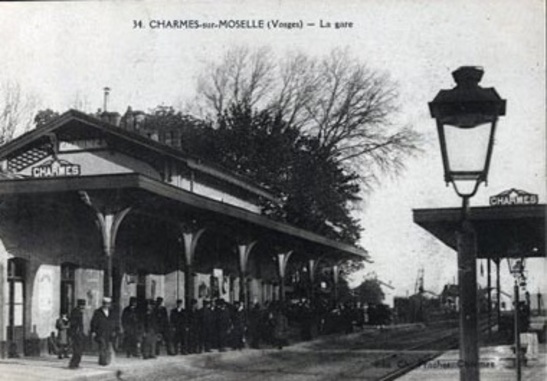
444	342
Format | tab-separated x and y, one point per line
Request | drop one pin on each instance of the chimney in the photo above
106	116
106	94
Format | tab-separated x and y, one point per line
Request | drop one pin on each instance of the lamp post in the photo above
466	119
516	268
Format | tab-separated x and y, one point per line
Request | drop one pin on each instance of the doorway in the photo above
16	305
67	287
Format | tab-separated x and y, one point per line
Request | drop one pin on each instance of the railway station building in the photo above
90	209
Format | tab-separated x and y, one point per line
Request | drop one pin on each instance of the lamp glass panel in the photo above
467	147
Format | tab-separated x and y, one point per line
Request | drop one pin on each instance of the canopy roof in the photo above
151	195
504	231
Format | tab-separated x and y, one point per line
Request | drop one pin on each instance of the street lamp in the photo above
516	268
466	123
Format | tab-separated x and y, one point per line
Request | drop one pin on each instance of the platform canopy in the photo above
150	194
502	231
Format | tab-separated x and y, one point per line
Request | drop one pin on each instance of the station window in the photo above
169	138
141	286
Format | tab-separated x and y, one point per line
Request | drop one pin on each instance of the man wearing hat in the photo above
150	325
103	327
193	328
132	328
207	324
178	325
222	324
162	321
76	331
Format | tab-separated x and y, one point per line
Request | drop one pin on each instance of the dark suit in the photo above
222	326
207	323
104	327
239	323
133	329
76	331
162	327
193	331
150	331
178	325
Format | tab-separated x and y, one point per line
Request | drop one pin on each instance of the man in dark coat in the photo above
255	321
239	324
193	328
306	318
76	331
132	328
223	324
207	323
162	321
103	327
150	324
178	328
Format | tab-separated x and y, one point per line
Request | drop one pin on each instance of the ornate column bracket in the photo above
108	220
335	274
191	239
244	251
190	235
312	268
282	261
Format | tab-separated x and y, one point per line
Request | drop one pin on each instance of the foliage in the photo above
44	116
346	107
316	192
369	291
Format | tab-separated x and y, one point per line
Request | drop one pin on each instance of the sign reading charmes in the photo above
514	197
56	168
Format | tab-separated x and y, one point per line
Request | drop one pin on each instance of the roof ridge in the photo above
161	148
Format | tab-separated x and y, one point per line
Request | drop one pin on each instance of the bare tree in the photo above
80	101
16	111
346	105
242	76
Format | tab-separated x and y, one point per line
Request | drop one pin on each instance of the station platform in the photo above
497	363
300	361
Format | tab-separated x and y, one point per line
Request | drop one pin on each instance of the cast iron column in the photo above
244	252
191	238
335	278
109	217
282	261
489	280
498	292
517	331
312	265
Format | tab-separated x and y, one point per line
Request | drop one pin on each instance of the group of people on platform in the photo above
148	328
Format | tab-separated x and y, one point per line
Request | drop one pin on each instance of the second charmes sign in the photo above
513	197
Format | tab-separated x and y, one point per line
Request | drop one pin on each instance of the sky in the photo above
63	51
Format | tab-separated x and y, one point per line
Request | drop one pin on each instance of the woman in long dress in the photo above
62	324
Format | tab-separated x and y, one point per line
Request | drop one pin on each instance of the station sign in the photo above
513	197
56	168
